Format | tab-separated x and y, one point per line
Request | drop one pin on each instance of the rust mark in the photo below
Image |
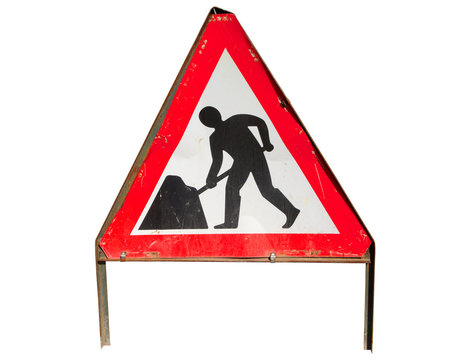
221	18
152	254
309	253
283	103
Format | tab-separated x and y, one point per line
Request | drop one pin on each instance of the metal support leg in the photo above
103	302
369	303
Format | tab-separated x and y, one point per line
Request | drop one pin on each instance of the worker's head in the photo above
210	117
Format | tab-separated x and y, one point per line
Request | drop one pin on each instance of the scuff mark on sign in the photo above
319	179
162	136
203	46
363	234
185	82
142	174
253	54
153	243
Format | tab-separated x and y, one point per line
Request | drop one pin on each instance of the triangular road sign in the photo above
228	170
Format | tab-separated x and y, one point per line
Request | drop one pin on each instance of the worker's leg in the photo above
235	182
263	180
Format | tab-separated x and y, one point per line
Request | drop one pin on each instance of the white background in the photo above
377	86
228	91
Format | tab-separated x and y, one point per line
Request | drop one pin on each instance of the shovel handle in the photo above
224	175
219	178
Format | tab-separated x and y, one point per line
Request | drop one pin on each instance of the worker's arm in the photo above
263	131
217	157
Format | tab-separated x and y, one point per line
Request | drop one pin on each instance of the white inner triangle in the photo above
228	91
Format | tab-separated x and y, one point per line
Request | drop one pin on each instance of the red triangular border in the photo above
224	31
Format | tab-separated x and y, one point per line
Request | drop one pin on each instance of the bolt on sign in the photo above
228	172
